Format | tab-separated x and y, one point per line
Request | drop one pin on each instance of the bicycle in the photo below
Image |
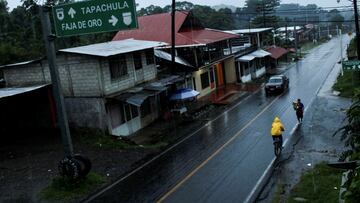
277	146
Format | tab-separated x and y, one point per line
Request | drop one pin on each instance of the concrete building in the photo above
207	50
251	61
107	86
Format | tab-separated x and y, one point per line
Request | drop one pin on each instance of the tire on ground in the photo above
85	164
69	167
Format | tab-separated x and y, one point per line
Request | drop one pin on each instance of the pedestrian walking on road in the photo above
299	109
277	128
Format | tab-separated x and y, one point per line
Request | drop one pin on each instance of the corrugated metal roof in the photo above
158	28
260	53
11	91
20	63
245	58
248	31
167	56
113	47
277	52
255	54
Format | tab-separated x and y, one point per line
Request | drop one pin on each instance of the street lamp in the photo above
357	27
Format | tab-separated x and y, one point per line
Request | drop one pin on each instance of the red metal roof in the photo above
276	52
158	28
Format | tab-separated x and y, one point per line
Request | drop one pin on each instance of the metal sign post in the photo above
94	16
341	52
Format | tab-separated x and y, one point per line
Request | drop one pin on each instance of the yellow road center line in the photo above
214	154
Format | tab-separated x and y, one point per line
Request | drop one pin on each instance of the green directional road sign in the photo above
94	16
351	65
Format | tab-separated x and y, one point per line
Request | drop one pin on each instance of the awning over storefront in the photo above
255	54
138	99
156	86
135	99
123	97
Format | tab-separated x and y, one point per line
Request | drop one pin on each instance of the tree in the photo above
150	10
351	135
210	18
4	18
264	11
337	20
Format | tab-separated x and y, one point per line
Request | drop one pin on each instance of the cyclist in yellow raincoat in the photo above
276	129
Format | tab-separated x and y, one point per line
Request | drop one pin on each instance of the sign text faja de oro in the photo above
94	16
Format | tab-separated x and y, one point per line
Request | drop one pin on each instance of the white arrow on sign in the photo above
71	12
113	20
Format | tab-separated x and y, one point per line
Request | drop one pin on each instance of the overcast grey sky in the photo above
238	3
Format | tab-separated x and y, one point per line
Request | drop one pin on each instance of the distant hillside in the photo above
218	7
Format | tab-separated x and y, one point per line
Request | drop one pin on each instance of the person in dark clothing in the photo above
299	108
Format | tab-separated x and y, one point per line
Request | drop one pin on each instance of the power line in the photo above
285	12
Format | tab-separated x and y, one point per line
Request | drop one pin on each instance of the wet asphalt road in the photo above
223	161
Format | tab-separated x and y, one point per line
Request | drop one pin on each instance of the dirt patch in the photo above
29	162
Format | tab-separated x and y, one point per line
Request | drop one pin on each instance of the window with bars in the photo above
137	60
118	67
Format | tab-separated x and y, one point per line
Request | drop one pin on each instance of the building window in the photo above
204	80
137	60
117	66
149	57
131	111
145	108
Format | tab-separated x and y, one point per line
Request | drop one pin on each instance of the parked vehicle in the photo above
276	84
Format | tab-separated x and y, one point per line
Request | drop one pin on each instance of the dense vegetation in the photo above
351	132
21	36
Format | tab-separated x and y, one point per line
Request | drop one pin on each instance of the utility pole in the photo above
357	29
296	42
173	36
274	37
286	35
341	53
59	99
263	7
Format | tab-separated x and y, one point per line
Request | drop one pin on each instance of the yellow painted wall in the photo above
196	75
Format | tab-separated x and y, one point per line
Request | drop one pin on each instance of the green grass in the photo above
348	83
277	196
317	185
62	189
